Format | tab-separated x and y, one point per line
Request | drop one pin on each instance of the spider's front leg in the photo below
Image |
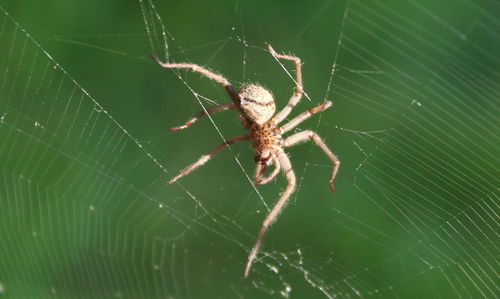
259	171
204	159
203	113
286	166
310	135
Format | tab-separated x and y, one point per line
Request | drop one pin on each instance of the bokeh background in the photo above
85	211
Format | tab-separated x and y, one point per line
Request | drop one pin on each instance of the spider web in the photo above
84	206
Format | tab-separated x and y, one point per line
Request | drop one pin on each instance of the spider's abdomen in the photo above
257	103
267	136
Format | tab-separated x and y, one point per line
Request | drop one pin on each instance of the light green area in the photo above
85	211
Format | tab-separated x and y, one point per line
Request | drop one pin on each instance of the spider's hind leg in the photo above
297	94
201	70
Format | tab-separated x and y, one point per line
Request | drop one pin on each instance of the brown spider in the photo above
256	108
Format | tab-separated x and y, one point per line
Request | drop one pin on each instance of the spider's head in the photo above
257	103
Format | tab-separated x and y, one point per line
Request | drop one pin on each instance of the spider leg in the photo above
261	168
290	176
203	113
199	69
298	86
310	135
303	116
203	159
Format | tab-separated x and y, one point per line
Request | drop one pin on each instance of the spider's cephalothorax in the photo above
266	141
257	110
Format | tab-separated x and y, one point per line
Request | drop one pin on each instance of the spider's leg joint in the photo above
202	160
179	127
273	52
321	107
155	58
336	164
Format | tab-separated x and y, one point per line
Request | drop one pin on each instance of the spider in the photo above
256	108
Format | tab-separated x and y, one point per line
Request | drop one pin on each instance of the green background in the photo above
84	208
